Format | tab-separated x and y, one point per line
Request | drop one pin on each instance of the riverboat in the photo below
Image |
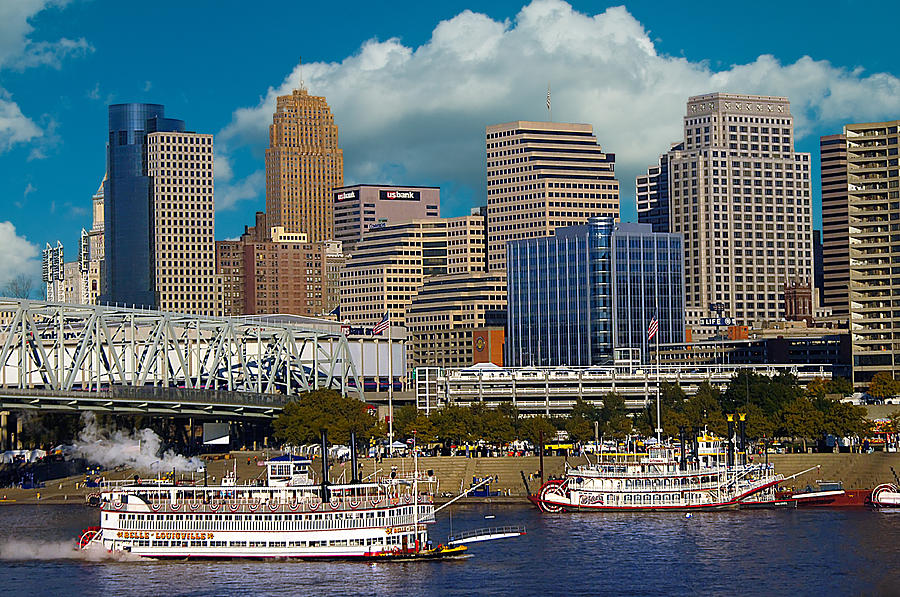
886	495
661	479
826	494
290	516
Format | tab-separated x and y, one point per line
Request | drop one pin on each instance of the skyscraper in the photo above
860	181
835	227
578	296
303	166
158	213
360	207
740	195
542	175
181	166
652	191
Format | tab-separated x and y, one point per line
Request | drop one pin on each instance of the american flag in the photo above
383	324
652	328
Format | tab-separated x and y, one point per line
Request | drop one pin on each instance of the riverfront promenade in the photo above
857	471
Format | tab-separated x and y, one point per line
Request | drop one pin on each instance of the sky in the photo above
412	86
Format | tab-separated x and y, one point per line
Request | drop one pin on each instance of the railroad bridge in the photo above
67	358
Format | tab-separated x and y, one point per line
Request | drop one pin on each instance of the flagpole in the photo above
549	107
658	414
390	389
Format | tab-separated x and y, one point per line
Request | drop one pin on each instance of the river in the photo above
791	552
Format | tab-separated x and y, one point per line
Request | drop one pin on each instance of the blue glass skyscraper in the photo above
576	297
127	212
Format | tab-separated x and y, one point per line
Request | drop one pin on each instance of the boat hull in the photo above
554	507
847	498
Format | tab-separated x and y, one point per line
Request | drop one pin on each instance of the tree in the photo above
22	286
580	423
802	419
883	386
453	424
671	394
301	421
703	409
839	385
614	416
404	418
844	420
531	429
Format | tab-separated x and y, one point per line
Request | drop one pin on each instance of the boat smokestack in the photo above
682	464
695	443
729	447
742	426
325	495
354	477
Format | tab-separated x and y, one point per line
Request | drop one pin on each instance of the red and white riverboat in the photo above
660	479
288	517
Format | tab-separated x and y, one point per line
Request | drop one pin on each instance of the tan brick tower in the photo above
303	165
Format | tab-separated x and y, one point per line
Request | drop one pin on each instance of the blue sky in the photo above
412	85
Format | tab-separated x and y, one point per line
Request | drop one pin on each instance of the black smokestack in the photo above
354	478
325	495
729	447
742	425
682	465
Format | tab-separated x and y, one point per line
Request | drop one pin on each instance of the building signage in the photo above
717	321
399	195
345	195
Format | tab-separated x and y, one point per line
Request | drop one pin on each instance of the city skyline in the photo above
52	149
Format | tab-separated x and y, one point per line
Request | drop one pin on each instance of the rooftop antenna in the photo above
302	83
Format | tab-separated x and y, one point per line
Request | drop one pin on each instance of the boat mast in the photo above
415	490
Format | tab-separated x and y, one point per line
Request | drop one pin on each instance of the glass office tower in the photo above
128	225
575	297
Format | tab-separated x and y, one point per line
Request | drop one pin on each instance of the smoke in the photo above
139	449
23	550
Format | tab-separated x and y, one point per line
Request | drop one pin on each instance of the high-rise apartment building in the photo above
303	166
861	183
579	296
360	207
269	271
652	192
740	195
467	243
543	175
835	225
158	220
334	263
180	164
390	264
445	313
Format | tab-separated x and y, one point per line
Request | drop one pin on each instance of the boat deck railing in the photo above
487	532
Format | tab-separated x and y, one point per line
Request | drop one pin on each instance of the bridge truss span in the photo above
87	348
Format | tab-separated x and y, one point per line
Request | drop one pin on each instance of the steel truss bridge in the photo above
64	357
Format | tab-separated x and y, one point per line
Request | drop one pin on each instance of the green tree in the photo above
531	429
301	420
580	423
404	417
883	386
453	424
423	428
759	424
844	420
802	419
671	394
703	409
614	416
839	385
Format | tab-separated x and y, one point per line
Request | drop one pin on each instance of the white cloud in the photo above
19	255
230	192
15	127
418	114
18	52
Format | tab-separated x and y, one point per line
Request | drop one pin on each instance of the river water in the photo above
792	552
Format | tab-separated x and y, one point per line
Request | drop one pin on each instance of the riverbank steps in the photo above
856	471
